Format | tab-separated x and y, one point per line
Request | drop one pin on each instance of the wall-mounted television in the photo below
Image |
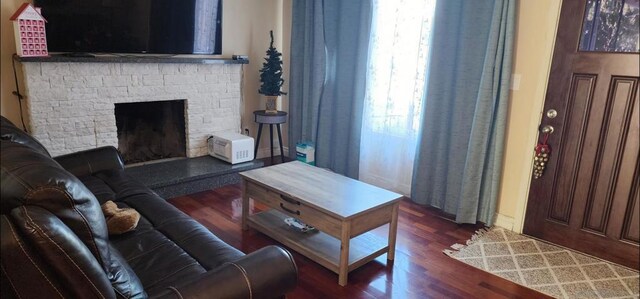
133	26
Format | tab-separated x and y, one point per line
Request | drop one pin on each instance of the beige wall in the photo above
535	35
246	25
8	102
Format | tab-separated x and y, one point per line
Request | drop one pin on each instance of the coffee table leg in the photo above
344	253
245	205
393	230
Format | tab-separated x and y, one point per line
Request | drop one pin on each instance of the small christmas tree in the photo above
271	72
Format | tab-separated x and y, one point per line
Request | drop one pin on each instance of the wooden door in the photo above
588	197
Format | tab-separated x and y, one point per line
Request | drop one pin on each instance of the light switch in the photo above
515	81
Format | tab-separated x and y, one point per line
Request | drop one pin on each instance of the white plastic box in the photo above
231	147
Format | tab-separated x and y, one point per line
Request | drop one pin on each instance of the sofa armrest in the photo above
269	272
91	161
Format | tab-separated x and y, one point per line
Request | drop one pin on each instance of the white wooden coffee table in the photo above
343	210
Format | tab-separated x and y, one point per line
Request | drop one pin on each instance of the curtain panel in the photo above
329	51
459	159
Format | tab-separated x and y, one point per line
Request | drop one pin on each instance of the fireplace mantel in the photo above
112	58
71	100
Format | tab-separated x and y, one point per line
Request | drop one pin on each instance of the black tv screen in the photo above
133	26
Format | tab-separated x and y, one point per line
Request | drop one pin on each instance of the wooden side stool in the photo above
261	117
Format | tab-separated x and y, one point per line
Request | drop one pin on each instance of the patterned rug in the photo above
547	268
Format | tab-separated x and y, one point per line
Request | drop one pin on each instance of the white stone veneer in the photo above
70	106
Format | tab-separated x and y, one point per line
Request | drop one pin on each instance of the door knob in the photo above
547	129
552	113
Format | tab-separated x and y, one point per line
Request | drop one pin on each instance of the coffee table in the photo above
343	210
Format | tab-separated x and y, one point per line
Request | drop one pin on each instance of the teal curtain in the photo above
329	50
459	159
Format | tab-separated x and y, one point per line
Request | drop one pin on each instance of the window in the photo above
611	26
399	52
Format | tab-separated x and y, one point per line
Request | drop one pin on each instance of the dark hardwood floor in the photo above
420	269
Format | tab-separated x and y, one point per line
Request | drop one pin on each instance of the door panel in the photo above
629	183
577	112
631	229
588	197
615	131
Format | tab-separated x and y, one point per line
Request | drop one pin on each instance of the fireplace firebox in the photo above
151	130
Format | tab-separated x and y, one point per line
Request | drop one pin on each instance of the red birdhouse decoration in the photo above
29	32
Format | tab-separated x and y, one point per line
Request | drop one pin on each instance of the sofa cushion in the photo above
8	131
187	233
171	222
167	247
31	178
156	259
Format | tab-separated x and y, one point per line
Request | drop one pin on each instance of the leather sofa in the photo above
55	241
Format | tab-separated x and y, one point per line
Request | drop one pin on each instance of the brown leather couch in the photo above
55	241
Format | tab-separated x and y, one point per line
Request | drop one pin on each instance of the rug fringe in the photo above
479	233
449	252
457	246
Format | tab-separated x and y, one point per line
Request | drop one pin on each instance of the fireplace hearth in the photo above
151	130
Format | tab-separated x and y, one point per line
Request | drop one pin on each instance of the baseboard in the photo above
505	222
265	152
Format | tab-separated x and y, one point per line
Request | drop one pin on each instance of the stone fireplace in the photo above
72	101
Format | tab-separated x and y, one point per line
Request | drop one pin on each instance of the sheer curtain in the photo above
399	52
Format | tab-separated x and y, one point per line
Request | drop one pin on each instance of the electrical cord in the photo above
17	92
241	108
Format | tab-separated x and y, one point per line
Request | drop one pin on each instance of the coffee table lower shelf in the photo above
316	245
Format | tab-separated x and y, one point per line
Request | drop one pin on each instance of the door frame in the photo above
539	97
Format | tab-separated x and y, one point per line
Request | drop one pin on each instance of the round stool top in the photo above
262	117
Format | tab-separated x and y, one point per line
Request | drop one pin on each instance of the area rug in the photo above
553	270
